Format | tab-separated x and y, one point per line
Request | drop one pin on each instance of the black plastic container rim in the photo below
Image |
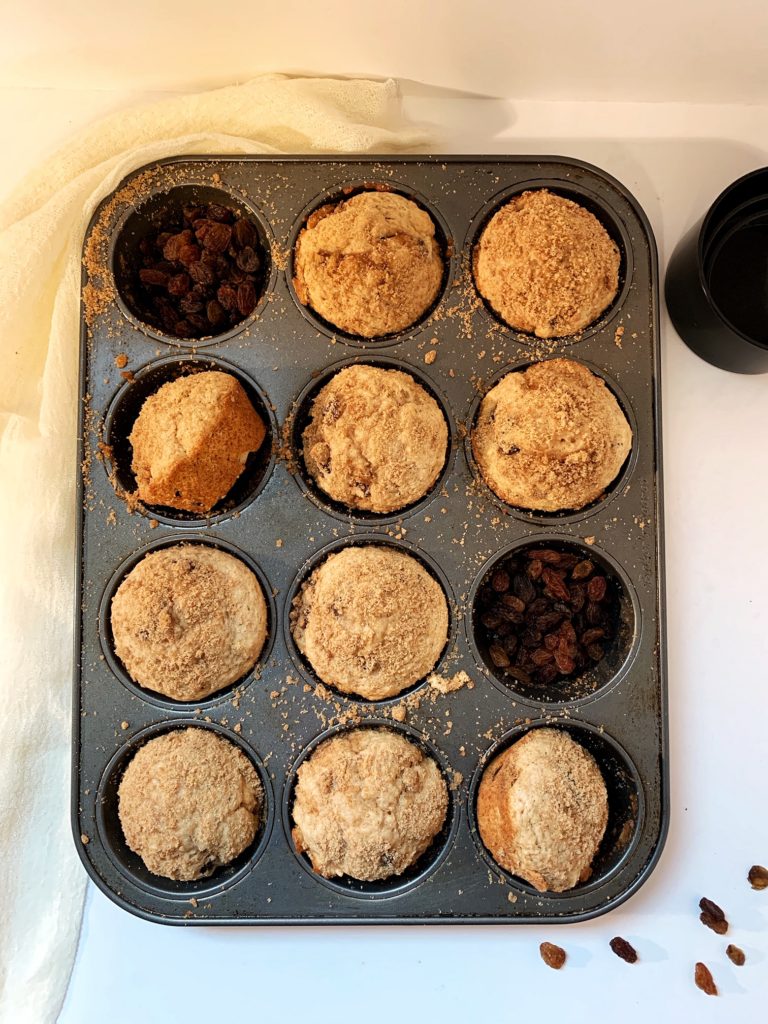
214	363
301	474
448	832
234	199
589	550
345	190
575	191
105	628
564	518
703	243
365	540
584	889
201	890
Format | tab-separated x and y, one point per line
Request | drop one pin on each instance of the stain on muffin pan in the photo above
279	523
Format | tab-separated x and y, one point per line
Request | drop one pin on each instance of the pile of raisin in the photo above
202	274
544	615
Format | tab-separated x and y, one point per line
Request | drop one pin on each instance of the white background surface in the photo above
675	158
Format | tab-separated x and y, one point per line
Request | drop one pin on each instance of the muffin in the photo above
369	265
188	620
376	440
370	621
546	265
542	809
191	440
189	802
368	804
551	437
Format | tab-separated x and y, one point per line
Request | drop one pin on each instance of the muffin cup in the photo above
140	221
429	861
619	654
626	805
131	866
442	236
590	201
125	408
108	643
365	540
617	487
299	419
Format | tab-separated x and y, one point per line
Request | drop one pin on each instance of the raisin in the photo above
552	955
593	613
189	254
153	277
192	213
498	656
534	568
590	635
519	674
513	602
213	236
623	949
546	555
555	585
244	233
500	581
490	620
246	298
758	876
199	322
564	661
596	588
201	273
578	597
220	213
227	296
736	955
595	652
547	674
548	621
541	656
712	916
179	285
582	569
551	641
704	980
248	259
523	588
191	303
182	328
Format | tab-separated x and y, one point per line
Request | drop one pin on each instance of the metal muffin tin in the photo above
279	523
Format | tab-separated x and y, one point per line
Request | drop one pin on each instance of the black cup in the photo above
717	280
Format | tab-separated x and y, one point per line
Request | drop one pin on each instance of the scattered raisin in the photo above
704	980
552	955
736	955
712	916
623	949
758	877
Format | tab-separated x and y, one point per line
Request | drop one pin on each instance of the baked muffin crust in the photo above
546	265
189	802
376	439
542	809
371	621
550	437
369	265
368	804
188	620
191	440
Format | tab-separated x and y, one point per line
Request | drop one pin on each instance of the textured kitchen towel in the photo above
41	230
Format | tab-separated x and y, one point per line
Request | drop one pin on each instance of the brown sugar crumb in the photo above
85	839
399	713
552	955
274	694
123	725
618	336
126	374
193	901
238	728
430	357
111	517
121	360
450	684
153	524
589	540
278	543
512	897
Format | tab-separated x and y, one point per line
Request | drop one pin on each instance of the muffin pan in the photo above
281	525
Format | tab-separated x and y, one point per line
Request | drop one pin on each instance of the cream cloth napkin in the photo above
41	232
